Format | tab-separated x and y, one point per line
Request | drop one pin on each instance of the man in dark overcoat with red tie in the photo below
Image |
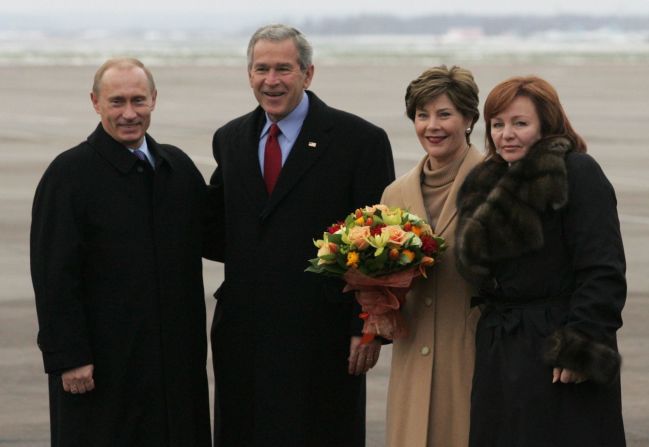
116	244
288	364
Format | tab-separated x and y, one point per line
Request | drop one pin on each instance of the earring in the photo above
468	130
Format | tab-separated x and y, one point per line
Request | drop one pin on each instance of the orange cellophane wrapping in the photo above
381	298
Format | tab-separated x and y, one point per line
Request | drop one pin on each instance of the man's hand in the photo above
565	375
362	357
78	380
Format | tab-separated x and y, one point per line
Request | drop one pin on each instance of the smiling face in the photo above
125	102
276	78
516	129
440	128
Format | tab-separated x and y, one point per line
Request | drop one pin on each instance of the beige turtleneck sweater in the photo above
436	184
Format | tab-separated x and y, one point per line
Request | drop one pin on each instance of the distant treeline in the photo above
490	25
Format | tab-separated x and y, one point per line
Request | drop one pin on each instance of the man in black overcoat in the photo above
288	364
116	243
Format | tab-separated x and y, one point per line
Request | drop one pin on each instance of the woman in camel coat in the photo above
432	368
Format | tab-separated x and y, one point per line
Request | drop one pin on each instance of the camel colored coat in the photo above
432	368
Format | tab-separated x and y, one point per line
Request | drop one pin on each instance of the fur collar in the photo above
500	206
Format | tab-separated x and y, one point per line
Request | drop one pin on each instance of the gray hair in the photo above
279	33
121	62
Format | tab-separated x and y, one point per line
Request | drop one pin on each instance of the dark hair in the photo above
457	83
554	121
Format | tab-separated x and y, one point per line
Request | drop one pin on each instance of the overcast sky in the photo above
302	9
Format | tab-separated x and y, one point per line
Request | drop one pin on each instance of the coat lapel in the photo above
312	142
112	151
160	153
163	164
411	191
244	151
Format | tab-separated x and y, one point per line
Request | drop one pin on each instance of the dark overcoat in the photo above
116	268
544	237
280	335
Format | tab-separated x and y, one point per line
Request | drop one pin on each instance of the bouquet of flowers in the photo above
378	251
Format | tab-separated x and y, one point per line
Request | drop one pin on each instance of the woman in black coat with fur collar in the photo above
539	232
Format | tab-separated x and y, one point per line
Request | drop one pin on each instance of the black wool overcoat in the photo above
116	269
544	235
280	336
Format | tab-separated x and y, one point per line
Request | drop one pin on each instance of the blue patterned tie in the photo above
139	154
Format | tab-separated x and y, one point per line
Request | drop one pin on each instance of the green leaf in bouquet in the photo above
314	267
383	257
441	244
330	258
375	264
333	270
336	239
412	242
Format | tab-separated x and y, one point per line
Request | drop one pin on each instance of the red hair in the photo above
554	121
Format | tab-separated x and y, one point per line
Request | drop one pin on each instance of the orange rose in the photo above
358	236
397	235
326	248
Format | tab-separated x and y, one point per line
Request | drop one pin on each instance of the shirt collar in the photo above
291	124
145	149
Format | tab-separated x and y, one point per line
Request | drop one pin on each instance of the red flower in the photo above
377	229
428	245
335	227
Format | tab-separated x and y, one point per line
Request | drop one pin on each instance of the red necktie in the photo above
272	158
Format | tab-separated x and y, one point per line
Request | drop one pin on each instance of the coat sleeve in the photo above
56	256
592	234
374	169
214	247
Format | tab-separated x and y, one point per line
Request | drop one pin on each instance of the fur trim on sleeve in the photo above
569	348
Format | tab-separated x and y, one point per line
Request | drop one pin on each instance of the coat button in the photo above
425	350
428	302
140	169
